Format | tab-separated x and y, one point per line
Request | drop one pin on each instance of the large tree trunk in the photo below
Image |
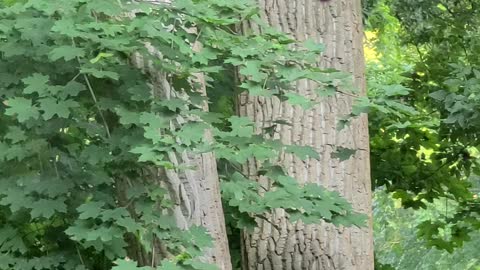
338	25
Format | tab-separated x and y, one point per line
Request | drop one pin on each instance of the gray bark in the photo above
338	25
195	192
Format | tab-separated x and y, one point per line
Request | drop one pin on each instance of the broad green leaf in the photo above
126	117
72	89
100	73
37	83
90	209
126	264
343	153
52	107
253	71
46	208
296	99
21	108
15	134
303	152
241	126
168	265
66	52
314	46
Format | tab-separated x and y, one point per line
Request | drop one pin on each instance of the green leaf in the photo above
314	46
16	199
110	8
126	264
100	73
168	265
52	107
200	265
37	83
303	152
149	154
296	99
292	73
46	208
90	209
15	134
192	133
200	237
22	108
129	224
66	52
11	240
114	214
72	89
255	89
67	27
439	95
241	126
126	117
253	71
79	230
343	153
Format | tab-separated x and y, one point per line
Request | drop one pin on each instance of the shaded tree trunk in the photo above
196	191
338	25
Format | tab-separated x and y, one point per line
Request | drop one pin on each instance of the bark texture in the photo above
196	191
338	25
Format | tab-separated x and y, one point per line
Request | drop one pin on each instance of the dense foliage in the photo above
399	247
428	149
83	128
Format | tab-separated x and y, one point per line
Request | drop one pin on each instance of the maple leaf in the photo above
66	52
90	209
37	83
46	208
22	108
51	107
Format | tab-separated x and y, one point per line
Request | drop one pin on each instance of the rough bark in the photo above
338	25
195	192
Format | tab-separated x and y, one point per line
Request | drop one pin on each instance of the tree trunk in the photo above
338	25
195	192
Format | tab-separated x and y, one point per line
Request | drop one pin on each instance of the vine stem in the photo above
92	93
79	254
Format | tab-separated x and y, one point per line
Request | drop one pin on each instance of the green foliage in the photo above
399	247
424	141
81	129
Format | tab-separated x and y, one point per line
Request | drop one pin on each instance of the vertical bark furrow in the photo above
337	24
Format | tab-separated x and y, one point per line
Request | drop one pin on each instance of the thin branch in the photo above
92	93
79	255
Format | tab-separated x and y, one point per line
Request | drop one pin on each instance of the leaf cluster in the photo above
83	129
